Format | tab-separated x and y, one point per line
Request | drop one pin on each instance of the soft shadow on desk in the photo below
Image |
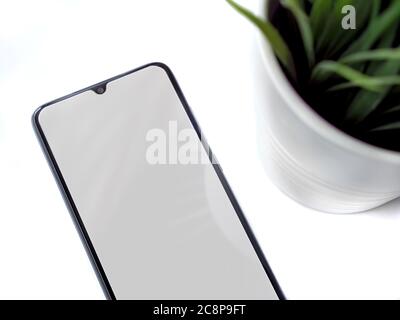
388	209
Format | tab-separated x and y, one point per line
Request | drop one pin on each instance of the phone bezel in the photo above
91	252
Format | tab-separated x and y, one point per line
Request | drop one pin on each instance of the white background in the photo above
51	48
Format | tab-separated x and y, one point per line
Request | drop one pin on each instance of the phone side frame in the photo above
90	250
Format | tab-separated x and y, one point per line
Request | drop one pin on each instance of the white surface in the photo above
48	49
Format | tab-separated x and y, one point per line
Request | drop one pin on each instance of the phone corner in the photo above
163	66
35	117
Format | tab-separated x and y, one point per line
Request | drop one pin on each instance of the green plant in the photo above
351	77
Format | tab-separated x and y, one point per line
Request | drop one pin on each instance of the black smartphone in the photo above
152	206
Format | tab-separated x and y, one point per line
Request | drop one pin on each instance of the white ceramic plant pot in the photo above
310	160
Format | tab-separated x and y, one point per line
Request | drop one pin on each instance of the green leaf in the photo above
365	102
392	110
376	29
303	23
372	55
329	28
319	13
390	126
355	78
276	41
376	7
325	69
377	84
